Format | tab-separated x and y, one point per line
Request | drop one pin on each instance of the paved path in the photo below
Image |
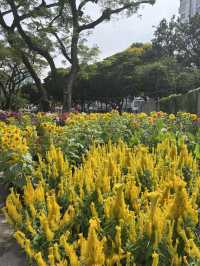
12	256
10	253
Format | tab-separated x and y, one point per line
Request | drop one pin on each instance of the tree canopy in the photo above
46	27
180	40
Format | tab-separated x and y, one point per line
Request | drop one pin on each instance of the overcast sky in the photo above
117	35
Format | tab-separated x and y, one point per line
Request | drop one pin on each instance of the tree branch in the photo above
8	11
38	8
3	88
62	47
32	45
59	15
107	13
3	23
84	3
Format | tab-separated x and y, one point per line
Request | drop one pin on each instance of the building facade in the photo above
188	9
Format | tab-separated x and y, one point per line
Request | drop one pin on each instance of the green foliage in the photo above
181	102
180	40
14	173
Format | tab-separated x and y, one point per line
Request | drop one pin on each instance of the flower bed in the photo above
104	189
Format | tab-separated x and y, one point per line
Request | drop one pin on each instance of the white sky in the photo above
117	35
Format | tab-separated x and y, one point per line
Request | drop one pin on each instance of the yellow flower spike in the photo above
70	252
30	227
12	211
92	253
155	258
21	238
15	198
120	210
61	186
39	193
44	223
39	259
93	210
56	252
28	248
133	195
100	196
54	171
192	249
50	250
51	260
148	228
29	192
118	241
185	260
32	210
53	212
182	205
68	216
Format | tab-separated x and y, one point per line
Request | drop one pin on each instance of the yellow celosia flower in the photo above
45	225
181	205
118	241
136	190
70	252
39	193
56	252
155	261
192	249
13	212
93	210
30	227
119	209
28	248
51	260
39	259
53	212
92	249
20	237
68	216
29	193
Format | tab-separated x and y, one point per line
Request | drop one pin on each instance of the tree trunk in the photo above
44	102
7	105
67	94
67	97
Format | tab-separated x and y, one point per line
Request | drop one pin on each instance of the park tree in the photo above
13	76
113	79
55	88
187	79
46	27
158	78
132	72
189	42
108	81
166	38
179	40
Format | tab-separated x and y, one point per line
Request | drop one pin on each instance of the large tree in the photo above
13	75
180	40
43	27
108	81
